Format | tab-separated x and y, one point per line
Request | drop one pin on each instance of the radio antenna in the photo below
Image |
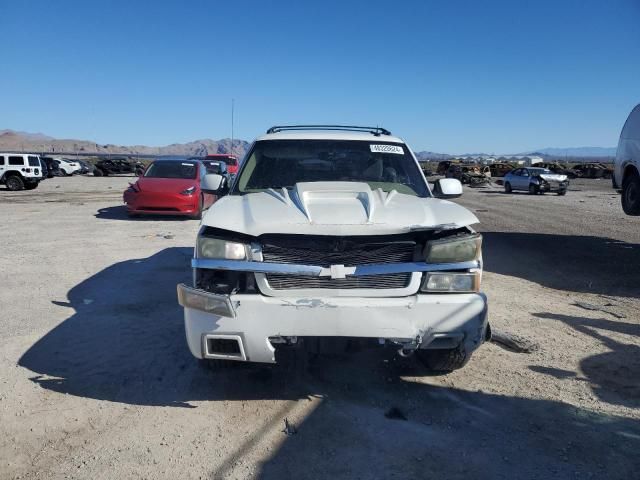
232	112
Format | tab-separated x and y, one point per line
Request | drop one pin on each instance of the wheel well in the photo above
629	171
12	173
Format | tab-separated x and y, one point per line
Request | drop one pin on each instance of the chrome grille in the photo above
327	251
289	282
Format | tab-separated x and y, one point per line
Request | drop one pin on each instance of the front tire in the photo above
507	188
631	194
445	360
14	183
562	192
533	189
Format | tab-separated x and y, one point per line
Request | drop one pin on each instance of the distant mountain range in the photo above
556	153
578	152
12	140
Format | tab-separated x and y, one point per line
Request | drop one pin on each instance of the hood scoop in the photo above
335	203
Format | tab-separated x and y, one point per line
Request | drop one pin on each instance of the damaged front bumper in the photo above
254	321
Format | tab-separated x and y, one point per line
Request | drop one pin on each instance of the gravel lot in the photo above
96	380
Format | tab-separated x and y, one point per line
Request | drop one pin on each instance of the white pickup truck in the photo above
332	231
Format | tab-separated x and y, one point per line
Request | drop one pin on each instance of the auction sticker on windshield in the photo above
387	149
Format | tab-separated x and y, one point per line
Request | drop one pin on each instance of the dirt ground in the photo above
96	380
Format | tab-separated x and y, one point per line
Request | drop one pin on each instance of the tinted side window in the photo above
16	161
1	159
33	161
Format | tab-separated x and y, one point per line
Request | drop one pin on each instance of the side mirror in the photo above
212	183
447	188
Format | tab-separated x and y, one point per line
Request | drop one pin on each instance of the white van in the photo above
626	174
20	171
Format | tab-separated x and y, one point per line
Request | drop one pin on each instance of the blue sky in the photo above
448	76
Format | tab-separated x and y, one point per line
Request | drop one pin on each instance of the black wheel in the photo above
507	188
14	183
97	172
533	189
562	192
631	194
63	173
445	360
30	186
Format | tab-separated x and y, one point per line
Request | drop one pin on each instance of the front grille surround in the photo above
347	251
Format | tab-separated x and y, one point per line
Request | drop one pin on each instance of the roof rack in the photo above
377	131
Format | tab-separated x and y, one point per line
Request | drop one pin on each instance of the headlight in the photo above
451	282
453	250
188	191
216	248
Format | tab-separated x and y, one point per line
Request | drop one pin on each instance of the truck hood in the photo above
334	208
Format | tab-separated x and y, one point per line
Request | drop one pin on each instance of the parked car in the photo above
334	233
20	171
474	175
68	167
535	180
500	169
169	187
230	160
218	167
626	175
443	167
115	166
44	169
53	170
555	167
592	170
85	167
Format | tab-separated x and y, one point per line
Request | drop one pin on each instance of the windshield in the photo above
167	169
283	163
538	171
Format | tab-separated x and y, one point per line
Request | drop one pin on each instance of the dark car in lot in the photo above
592	170
115	166
500	169
85	167
53	169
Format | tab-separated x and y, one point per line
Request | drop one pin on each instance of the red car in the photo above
230	160
169	187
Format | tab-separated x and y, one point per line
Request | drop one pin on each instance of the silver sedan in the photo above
535	180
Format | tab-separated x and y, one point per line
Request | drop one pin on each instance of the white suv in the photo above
626	170
333	231
20	171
